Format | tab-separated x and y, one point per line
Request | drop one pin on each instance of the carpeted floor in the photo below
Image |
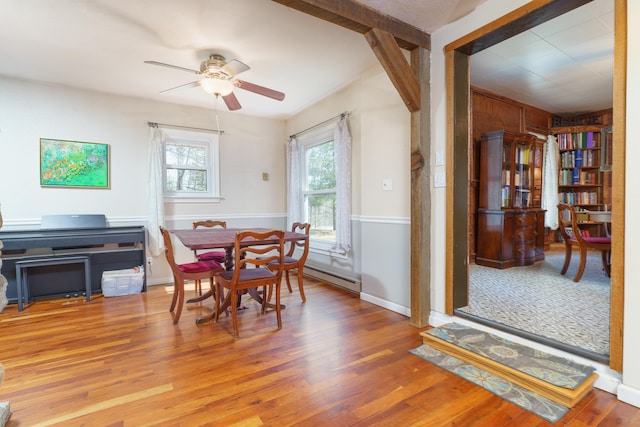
539	300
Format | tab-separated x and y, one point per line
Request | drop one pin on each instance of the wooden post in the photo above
421	194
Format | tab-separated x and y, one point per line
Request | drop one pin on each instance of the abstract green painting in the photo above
73	164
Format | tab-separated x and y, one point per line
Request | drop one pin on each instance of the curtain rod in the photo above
341	116
155	125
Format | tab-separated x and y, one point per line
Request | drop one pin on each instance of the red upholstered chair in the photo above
191	271
573	236
217	256
266	247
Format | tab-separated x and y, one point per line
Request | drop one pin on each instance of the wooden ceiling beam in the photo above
396	66
360	18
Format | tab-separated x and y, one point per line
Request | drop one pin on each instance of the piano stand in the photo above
22	278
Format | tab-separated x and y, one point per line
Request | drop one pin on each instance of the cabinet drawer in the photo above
524	251
523	219
523	234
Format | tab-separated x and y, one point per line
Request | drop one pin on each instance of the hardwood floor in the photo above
337	361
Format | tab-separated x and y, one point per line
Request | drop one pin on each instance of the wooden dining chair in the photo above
217	256
182	272
265	247
296	263
573	236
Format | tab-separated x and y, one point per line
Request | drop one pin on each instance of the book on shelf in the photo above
575	176
590	140
578	159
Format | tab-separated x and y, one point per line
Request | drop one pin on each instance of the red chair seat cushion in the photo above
597	239
212	256
199	267
249	274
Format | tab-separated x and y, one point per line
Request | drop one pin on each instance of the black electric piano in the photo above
107	248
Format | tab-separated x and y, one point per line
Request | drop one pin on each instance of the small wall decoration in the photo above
73	164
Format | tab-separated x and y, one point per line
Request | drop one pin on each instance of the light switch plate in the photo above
439	179
387	184
439	158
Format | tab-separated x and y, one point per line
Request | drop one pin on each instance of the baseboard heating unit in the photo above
348	283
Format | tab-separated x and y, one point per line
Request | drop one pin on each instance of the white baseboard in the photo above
397	308
629	395
608	379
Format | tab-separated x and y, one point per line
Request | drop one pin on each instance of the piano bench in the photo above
22	278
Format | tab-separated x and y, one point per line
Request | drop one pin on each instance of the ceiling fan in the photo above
218	78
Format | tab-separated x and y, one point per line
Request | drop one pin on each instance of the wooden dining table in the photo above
223	238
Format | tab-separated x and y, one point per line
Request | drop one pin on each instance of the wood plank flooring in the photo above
338	361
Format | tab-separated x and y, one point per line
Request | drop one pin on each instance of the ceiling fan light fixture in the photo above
216	86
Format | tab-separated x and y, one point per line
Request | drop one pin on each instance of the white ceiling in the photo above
102	45
564	66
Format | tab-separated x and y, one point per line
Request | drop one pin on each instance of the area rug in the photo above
540	301
551	369
547	367
532	402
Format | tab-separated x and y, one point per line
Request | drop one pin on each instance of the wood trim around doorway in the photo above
457	78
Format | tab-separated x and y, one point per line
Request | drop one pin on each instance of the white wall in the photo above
29	111
629	391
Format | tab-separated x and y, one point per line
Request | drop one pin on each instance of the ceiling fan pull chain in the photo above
215	108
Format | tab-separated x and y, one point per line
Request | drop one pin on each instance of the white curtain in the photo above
550	183
155	201
342	146
294	193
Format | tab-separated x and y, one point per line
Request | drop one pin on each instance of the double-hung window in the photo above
319	186
190	164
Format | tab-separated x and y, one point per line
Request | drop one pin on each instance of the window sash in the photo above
318	234
205	161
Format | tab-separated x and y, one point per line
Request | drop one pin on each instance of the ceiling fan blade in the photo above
260	90
192	84
162	64
234	67
232	102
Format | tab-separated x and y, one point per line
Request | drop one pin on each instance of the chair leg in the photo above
300	285
218	302
606	262
175	295
567	258
266	296
180	290
286	274
583	263
198	287
234	312
279	317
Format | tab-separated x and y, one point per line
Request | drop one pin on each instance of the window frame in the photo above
311	139
209	140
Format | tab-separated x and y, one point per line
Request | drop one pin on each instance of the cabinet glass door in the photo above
522	176
507	166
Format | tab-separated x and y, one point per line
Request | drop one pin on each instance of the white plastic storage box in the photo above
122	282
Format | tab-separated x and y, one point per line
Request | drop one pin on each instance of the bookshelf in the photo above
580	181
510	230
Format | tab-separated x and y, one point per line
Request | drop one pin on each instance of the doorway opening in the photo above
458	270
